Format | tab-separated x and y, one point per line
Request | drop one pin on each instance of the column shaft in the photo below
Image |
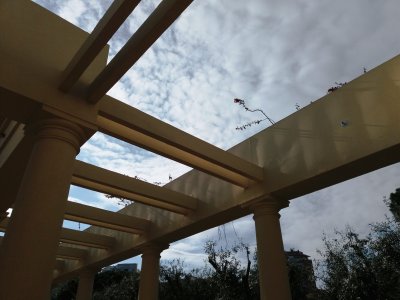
85	285
28	251
272	266
150	273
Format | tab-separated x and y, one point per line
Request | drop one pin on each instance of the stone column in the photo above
272	265
85	285
3	215
28	251
150	272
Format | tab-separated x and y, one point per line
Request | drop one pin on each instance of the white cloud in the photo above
271	53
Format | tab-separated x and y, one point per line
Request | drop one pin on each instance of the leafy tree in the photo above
394	204
116	285
65	291
362	268
176	282
230	278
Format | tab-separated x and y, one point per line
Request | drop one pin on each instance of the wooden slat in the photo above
99	217
133	126
101	34
87	239
112	183
84	238
161	18
71	253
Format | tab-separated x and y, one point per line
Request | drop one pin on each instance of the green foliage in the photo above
65	291
362	268
232	281
176	282
394	204
116	285
108	285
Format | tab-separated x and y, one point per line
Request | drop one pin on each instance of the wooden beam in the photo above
67	252
104	218
112	183
161	18
60	264
101	34
84	238
135	127
71	253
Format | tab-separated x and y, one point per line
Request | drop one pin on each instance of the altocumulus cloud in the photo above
272	53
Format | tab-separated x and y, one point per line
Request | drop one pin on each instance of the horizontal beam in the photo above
84	238
67	252
112	183
95	42
71	253
60	264
87	239
161	18
103	218
124	122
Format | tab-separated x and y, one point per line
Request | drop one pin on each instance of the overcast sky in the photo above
272	53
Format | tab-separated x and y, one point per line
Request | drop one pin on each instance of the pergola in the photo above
53	83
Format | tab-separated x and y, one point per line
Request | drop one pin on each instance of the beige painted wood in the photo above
87	239
96	41
133	126
77	237
31	240
71	253
271	260
345	134
105	181
159	21
100	217
302	153
35	49
85	284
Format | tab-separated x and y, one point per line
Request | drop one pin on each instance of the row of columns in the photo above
28	249
31	241
272	267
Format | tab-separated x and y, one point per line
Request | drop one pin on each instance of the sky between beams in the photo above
271	53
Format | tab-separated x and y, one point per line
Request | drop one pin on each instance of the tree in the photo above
362	268
230	278
394	204
177	282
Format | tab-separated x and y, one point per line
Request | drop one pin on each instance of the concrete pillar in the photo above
3	215
85	284
272	266
150	272
28	251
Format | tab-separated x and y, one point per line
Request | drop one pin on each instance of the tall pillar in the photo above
85	284
28	251
150	272
272	266
3	215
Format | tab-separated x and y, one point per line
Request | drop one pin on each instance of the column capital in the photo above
267	206
153	249
88	271
56	128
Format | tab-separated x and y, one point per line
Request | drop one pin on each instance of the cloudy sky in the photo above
275	54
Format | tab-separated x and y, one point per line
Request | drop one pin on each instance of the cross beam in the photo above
112	183
104	218
135	127
87	239
82	238
95	42
71	253
161	18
